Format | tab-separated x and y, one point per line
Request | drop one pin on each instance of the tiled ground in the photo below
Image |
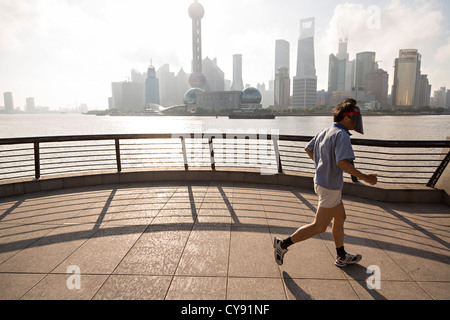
213	241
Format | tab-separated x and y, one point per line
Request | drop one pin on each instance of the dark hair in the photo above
346	106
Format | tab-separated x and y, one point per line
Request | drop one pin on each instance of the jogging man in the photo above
332	153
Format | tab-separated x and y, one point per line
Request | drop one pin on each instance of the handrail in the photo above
279	153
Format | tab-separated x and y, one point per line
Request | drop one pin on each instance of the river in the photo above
424	127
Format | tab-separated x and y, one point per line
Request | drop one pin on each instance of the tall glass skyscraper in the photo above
305	81
365	63
238	84
282	91
151	86
405	90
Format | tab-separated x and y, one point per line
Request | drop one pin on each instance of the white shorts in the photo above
328	198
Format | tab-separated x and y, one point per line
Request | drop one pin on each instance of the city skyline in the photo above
66	53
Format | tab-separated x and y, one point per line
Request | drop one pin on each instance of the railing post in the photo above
37	161
183	147
277	155
119	163
211	152
437	174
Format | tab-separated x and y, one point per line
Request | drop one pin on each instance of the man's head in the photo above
347	113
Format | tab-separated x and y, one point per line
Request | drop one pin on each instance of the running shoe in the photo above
349	259
279	252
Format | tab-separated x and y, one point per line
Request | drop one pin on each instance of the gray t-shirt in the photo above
329	147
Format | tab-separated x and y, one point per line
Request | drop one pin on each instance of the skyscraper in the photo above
377	83
282	79
305	82
282	96
365	63
128	96
9	102
196	79
151	86
30	105
337	68
282	55
405	90
237	84
424	91
215	76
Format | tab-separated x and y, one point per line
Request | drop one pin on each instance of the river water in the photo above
426	127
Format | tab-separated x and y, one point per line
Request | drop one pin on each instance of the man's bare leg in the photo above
320	224
338	225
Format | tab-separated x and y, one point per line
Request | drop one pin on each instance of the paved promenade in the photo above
176	241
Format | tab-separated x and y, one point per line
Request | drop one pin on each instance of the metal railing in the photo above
395	162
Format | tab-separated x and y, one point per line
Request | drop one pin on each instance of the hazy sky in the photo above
67	52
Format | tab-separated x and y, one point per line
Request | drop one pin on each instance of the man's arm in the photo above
350	169
310	153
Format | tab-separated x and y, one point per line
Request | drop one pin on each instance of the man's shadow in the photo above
360	275
357	272
294	288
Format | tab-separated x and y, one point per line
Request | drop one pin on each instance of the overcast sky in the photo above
67	52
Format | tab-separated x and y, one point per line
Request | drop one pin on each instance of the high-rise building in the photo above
377	83
128	96
305	81
282	74
350	75
447	99
365	63
196	79
166	86
30	105
151	86
282	55
181	86
9	102
215	76
440	98
424	91
282	88
405	89
337	68
237	84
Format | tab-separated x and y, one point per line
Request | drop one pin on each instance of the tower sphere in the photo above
251	95
196	10
190	97
197	80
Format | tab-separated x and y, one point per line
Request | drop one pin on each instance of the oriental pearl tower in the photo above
197	79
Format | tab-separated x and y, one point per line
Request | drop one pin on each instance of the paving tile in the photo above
157	252
55	287
15	285
14	238
134	287
415	253
206	251
102	252
390	290
311	259
436	290
251	252
243	288
43	255
318	289
197	288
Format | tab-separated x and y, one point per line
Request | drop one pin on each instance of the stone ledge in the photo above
385	193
